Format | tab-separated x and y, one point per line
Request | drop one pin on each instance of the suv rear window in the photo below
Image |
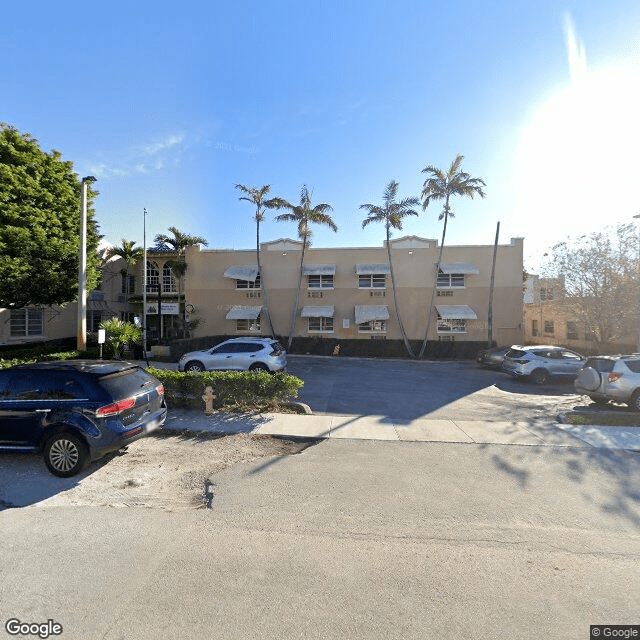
126	383
515	353
633	364
605	365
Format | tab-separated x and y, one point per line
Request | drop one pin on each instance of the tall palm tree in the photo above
441	185
130	254
256	196
391	214
178	242
304	214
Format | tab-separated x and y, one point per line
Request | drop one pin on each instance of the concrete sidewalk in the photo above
420	430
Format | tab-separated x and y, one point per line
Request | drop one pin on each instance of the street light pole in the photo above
637	217
82	269
144	285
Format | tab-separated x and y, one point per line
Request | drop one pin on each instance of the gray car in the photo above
237	354
540	363
611	378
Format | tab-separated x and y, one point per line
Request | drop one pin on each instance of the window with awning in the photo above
452	275
318	312
372	276
246	276
243	313
370	312
453	318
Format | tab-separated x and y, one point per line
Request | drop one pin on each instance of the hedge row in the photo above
230	388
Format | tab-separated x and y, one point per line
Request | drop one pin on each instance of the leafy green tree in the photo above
257	197
391	214
304	214
40	208
129	253
178	243
119	335
443	185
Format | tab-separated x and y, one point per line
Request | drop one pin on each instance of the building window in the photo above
168	280
373	326
320	281
153	277
252	325
451	325
534	327
320	325
546	294
372	281
548	326
94	318
128	284
450	280
572	330
248	284
25	323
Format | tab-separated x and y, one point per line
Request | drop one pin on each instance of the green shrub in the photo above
239	389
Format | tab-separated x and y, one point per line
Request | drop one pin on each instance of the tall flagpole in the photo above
144	286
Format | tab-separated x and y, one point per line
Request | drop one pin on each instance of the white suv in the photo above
611	378
237	354
540	363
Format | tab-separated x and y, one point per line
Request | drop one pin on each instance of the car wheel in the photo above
599	401
194	366
65	454
634	401
258	367
540	376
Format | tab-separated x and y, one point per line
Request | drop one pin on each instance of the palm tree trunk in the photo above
435	281
407	344
294	311
263	283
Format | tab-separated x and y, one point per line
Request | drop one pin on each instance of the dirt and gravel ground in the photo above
167	470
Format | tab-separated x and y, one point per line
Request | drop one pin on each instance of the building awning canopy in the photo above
456	312
370	312
319	269
247	272
318	312
372	269
459	267
243	313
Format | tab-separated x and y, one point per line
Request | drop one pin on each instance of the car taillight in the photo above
115	408
160	389
613	377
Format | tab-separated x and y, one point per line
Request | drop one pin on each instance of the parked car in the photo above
237	354
540	363
611	379
76	411
492	358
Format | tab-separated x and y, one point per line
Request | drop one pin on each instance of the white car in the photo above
540	363
237	354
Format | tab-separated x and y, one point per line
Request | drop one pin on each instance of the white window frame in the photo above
450	280
251	325
372	281
549	327
320	281
26	323
451	326
169	284
248	284
153	277
322	324
373	326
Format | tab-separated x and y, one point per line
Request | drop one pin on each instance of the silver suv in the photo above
540	363
237	354
611	378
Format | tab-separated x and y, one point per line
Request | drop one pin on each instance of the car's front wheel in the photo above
540	376
634	401
65	454
194	366
258	367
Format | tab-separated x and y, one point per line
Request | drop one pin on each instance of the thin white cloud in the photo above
155	148
576	52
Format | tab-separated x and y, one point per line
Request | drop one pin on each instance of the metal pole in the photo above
81	334
144	285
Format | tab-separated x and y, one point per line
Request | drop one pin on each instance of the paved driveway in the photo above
406	390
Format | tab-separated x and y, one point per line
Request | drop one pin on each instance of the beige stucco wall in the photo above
213	295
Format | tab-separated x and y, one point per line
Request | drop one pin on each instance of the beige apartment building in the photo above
347	293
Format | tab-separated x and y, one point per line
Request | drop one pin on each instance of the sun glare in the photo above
578	162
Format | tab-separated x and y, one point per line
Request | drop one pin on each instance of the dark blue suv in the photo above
76	411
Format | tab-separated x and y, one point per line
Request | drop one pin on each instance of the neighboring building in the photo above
347	292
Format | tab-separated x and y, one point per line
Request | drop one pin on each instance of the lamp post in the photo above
637	217
82	269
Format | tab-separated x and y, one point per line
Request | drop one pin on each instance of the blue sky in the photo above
171	104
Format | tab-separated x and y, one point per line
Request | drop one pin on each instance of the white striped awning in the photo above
370	312
247	272
243	313
318	312
319	269
456	312
459	267
372	269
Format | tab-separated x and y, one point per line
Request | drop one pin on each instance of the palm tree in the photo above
256	196
442	185
392	213
178	242
304	214
130	254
